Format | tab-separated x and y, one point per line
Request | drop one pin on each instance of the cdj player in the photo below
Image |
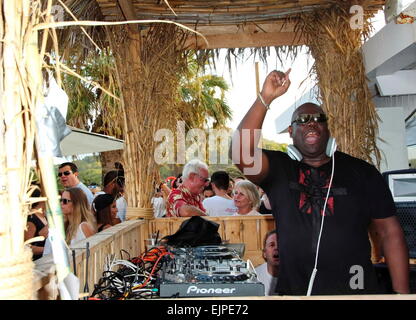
208	271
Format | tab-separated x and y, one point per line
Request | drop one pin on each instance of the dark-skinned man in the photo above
323	203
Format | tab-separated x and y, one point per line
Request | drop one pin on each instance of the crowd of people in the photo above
194	193
323	202
84	212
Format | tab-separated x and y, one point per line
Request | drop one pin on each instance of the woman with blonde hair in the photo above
246	198
79	221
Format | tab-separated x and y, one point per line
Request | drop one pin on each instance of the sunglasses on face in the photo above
65	201
306	117
65	173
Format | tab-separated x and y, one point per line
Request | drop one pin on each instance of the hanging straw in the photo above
341	77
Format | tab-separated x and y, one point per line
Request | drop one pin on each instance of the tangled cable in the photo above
131	278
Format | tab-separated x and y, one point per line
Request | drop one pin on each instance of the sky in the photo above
242	93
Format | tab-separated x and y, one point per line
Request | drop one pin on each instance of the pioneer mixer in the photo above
208	271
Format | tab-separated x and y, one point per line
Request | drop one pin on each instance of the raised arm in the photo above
244	148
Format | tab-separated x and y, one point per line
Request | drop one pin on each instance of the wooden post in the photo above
256	66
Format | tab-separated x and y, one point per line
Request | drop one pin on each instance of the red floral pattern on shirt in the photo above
179	197
313	193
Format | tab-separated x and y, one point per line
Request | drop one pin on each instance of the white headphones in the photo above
294	153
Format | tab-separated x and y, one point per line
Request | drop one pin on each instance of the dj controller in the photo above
208	271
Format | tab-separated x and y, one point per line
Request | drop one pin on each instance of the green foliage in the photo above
90	170
231	169
203	97
273	145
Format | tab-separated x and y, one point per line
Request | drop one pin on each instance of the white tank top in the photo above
79	235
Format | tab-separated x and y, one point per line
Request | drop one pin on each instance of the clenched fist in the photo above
275	85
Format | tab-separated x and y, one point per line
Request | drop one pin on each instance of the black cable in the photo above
73	261
86	288
119	284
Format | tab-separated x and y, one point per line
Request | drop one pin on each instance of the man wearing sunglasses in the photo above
68	176
185	201
299	188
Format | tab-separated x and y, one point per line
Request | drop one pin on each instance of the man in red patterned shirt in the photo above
186	200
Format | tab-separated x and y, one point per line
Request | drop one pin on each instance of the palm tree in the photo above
202	104
203	97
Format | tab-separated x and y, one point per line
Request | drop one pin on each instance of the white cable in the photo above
315	270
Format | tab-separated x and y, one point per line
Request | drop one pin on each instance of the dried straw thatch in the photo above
20	92
341	77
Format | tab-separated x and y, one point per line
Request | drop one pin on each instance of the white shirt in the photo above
159	207
251	213
267	279
88	193
78	237
218	206
121	204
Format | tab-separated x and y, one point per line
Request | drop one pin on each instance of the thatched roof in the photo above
221	12
225	23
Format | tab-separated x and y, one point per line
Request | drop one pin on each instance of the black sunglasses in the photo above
65	201
65	173
306	117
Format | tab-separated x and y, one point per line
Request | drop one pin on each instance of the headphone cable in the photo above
315	270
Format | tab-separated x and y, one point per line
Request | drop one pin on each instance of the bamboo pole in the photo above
256	68
148	74
16	146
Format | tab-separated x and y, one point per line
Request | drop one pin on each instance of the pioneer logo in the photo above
196	290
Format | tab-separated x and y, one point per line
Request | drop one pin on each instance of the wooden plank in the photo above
233	231
244	40
129	13
250	234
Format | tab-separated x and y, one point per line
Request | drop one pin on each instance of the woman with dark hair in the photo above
37	225
105	210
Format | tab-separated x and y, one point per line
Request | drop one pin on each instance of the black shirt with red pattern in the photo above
297	194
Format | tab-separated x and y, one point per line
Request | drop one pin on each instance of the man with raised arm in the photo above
323	203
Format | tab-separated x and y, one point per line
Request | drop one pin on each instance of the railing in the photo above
89	264
131	236
249	230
